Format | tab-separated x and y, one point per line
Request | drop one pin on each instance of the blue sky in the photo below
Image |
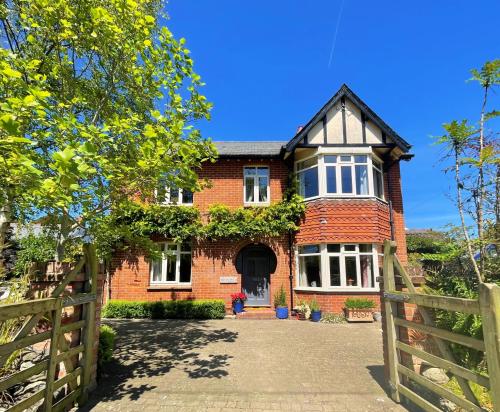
268	69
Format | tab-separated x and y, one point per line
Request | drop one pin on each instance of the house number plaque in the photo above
228	279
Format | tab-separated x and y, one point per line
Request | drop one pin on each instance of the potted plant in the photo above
359	309
315	310
280	303
238	300
303	310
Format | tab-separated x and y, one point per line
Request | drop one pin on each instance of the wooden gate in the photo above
77	358
487	306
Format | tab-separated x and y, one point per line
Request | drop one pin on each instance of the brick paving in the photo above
253	365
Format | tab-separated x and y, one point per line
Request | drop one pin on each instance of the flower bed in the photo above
166	309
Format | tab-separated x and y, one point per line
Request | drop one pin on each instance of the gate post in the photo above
489	302
390	311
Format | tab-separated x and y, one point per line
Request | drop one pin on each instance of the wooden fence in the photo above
487	306
78	360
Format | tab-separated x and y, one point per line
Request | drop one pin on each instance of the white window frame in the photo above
325	268
322	174
256	202
164	263
316	165
379	166
167	201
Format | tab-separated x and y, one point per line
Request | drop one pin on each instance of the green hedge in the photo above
166	309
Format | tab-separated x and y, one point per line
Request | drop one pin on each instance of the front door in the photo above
255	279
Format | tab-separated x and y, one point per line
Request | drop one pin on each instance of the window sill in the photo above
261	204
174	204
309	199
337	290
170	287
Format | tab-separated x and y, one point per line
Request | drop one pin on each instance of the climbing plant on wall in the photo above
136	225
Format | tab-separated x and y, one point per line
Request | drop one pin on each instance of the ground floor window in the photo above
175	265
336	266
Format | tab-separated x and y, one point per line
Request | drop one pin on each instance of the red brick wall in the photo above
130	273
333	302
344	221
226	177
326	220
392	182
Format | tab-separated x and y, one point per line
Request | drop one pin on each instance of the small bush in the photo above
359	303
314	305
166	309
107	338
280	298
333	318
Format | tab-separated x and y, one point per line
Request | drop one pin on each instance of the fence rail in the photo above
487	306
76	378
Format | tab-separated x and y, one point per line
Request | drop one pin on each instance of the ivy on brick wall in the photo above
135	224
254	222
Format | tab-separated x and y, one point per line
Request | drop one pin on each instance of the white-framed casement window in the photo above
307	174
336	266
174	267
340	175
378	179
174	196
256	185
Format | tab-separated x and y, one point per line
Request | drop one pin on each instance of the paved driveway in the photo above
243	365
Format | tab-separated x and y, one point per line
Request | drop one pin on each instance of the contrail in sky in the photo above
335	35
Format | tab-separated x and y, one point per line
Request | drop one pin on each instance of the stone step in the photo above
257	313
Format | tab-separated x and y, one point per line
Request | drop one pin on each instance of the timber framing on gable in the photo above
367	114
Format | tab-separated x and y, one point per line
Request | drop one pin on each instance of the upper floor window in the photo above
174	267
341	175
256	183
307	172
173	196
334	265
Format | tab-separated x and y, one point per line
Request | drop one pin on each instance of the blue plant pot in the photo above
316	316
238	306
282	312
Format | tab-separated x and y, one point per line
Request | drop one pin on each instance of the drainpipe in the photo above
290	266
389	191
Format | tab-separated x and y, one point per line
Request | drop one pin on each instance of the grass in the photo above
482	394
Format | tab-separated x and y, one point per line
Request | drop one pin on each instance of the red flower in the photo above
238	297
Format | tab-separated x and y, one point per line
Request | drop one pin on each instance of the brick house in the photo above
346	162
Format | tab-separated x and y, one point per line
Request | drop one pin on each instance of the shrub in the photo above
280	297
107	338
333	318
359	303
166	309
314	305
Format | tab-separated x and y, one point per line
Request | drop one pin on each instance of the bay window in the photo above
310	266
256	185
378	176
338	266
307	173
340	176
174	266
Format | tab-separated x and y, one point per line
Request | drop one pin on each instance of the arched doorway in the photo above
256	263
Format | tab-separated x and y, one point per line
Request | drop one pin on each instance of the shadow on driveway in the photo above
146	349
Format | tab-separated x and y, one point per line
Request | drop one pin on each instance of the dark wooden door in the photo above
255	279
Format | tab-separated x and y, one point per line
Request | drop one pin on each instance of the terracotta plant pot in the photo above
359	315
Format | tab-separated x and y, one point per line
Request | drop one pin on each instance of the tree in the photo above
476	168
98	102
